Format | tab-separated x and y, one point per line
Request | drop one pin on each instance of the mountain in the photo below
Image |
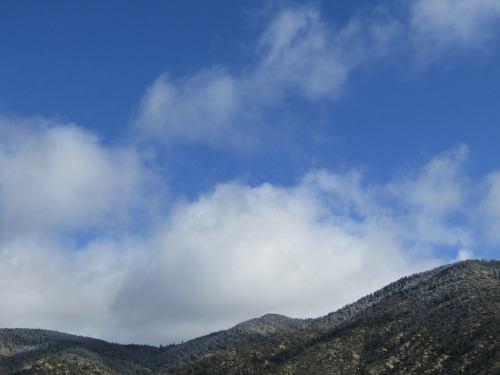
443	321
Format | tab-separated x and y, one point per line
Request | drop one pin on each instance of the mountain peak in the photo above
272	324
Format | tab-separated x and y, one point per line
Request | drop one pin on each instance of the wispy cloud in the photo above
198	109
298	53
442	26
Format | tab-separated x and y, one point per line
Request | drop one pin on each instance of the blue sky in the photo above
168	169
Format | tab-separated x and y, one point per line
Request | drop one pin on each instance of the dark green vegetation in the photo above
444	321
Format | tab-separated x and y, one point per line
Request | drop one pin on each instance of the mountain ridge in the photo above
418	314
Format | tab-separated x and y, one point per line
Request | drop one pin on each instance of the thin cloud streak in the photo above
443	26
300	54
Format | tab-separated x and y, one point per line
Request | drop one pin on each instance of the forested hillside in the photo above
444	321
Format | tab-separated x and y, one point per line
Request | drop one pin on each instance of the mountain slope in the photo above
443	321
446	320
19	347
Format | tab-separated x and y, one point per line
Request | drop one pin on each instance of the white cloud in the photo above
464	254
441	25
242	251
304	54
46	285
434	196
297	53
439	187
70	208
232	254
59	176
197	109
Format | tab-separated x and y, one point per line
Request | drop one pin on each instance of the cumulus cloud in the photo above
240	252
69	210
231	254
303	250
47	285
60	176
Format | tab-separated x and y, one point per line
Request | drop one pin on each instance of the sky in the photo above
170	169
